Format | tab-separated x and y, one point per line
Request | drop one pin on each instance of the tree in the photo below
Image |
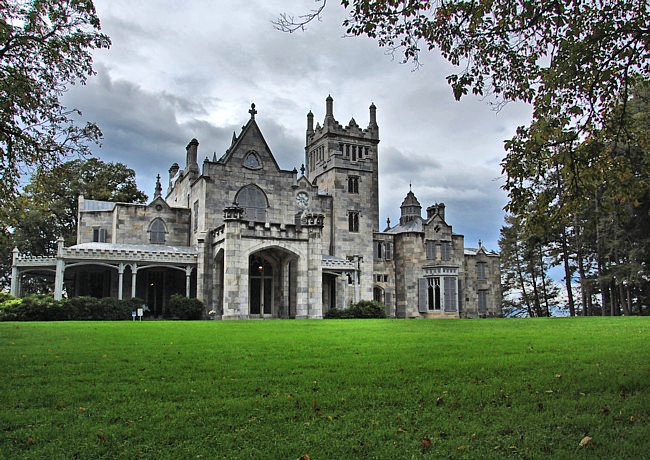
47	208
45	46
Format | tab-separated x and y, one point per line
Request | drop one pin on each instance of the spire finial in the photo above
252	111
158	191
480	244
410	187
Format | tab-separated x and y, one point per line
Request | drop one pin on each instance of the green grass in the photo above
329	389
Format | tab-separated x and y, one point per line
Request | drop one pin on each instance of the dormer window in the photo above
252	160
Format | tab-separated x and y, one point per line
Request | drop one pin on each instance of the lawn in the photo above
329	389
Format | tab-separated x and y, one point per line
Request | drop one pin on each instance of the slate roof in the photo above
414	225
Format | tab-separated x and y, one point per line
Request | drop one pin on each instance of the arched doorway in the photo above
272	283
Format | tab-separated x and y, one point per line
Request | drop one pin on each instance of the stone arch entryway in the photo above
272	283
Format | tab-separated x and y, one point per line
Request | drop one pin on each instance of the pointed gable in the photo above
250	148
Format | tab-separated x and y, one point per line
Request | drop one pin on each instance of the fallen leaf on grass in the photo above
82	409
461	447
401	430
304	457
101	437
439	401
315	406
426	442
29	440
586	440
558	376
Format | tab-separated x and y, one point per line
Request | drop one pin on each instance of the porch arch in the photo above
272	280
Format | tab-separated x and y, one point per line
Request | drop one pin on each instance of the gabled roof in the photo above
250	129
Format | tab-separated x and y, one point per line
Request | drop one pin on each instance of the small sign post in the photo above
133	313
140	313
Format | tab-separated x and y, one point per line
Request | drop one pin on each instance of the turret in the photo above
410	208
329	109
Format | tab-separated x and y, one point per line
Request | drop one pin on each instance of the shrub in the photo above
41	307
35	307
361	309
180	307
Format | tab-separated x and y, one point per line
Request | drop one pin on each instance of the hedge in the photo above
361	309
40	307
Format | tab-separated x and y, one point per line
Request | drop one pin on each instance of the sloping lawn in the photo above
329	389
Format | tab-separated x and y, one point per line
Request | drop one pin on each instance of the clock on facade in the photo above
302	199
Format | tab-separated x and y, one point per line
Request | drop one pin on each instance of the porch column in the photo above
120	280
15	274
134	277
60	270
188	273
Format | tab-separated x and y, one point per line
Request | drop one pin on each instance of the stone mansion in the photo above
251	240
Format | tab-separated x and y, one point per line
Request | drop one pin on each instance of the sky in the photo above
183	70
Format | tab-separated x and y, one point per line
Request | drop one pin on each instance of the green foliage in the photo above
45	46
488	389
181	307
361	309
40	307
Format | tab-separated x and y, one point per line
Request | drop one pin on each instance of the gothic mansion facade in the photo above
251	240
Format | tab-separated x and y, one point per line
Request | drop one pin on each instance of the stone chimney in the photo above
310	123
191	164
172	172
441	210
431	211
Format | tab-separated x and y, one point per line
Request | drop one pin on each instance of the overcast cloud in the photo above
178	70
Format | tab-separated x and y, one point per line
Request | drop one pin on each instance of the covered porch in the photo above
123	271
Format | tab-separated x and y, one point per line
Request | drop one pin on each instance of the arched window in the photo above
254	202
157	231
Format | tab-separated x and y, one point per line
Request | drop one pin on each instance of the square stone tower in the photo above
343	162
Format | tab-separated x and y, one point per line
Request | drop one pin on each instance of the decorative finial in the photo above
302	169
388	221
480	244
252	111
158	190
409	186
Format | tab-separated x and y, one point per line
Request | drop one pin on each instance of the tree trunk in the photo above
522	285
621	299
543	275
584	288
568	275
629	299
538	307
